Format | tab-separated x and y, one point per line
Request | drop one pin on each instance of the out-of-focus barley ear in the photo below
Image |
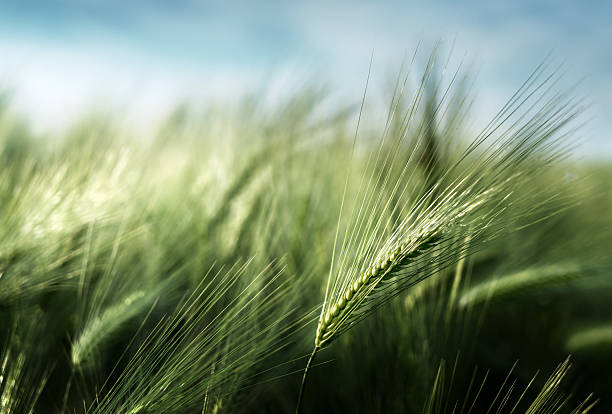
527	279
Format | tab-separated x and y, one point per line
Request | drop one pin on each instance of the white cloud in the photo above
200	51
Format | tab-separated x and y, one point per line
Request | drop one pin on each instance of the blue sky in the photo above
63	56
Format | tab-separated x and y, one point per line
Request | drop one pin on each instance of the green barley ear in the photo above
103	327
527	279
596	338
384	270
110	296
472	200
387	248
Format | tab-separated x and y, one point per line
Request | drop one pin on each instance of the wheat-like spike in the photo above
590	338
403	255
102	327
509	284
392	227
447	225
465	202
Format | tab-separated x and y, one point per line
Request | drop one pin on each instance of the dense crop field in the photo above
258	258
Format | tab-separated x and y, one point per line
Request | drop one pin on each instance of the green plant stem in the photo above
303	386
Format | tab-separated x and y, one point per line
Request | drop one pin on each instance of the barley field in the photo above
298	257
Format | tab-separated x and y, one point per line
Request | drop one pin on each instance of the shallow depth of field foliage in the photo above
245	254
